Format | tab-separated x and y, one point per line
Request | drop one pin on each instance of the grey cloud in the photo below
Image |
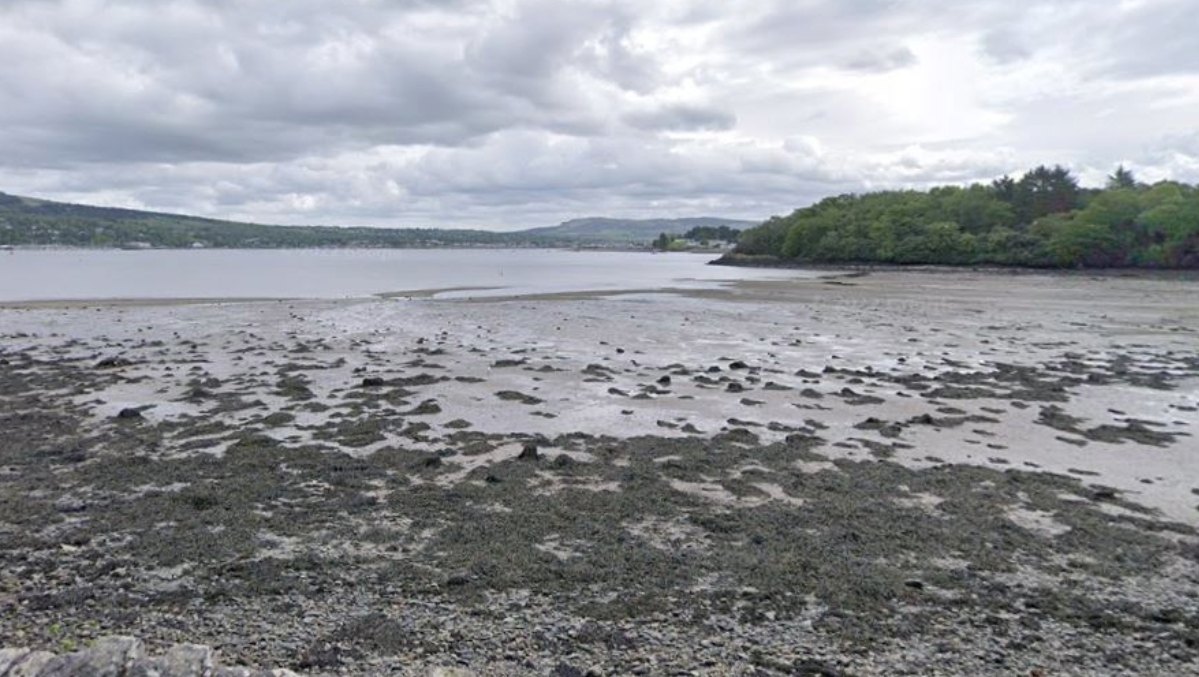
473	112
1155	39
1004	46
682	117
881	61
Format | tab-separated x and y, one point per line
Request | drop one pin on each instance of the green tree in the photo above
1121	178
1044	191
1076	243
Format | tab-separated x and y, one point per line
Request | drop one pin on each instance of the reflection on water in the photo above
341	273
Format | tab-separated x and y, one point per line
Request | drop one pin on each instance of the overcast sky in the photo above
518	113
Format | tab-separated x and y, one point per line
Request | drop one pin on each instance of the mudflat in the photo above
893	473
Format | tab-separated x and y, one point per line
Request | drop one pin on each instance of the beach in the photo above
900	472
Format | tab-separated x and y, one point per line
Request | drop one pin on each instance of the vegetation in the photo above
1043	219
644	230
713	234
27	221
697	237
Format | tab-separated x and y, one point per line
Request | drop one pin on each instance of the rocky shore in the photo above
123	657
884	474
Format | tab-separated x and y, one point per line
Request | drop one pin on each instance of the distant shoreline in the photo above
766	261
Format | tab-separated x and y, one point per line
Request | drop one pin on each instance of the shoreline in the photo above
774	262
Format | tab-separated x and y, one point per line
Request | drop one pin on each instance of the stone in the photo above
67	504
129	413
529	452
566	670
450	672
109	657
181	660
28	663
10	657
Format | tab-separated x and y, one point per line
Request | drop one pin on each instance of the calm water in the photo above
340	273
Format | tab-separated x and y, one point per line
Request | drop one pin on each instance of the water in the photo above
40	275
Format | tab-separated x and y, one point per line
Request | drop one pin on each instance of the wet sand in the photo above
897	472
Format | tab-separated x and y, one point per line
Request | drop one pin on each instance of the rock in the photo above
129	413
665	380
738	364
373	382
109	657
809	667
566	670
450	672
735	387
181	660
24	663
68	504
457	579
8	657
123	657
529	452
514	396
425	408
113	362
914	584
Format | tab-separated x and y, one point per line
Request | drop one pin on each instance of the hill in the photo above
28	221
630	230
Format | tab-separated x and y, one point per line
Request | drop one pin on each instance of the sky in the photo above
506	114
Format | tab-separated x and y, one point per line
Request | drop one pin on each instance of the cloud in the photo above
512	113
881	61
681	117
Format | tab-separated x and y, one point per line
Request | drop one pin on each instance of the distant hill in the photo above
631	230
28	221
34	222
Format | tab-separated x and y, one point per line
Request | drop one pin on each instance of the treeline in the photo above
713	234
704	235
1042	219
25	221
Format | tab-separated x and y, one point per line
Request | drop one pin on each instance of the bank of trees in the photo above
40	222
1042	219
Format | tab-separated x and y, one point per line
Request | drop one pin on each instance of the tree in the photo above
1080	244
1122	178
663	242
1004	188
1044	191
766	238
1042	219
